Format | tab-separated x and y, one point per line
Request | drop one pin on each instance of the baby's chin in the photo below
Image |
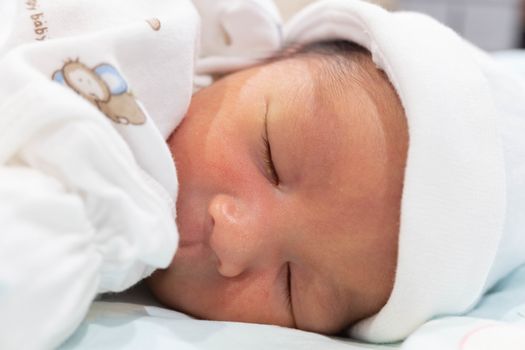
162	288
185	281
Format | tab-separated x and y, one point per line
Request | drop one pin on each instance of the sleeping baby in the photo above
288	206
356	170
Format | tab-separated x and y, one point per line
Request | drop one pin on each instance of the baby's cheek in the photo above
254	298
184	291
249	299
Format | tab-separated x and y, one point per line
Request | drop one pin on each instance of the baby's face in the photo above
289	199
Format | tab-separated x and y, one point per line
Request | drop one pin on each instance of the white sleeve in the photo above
236	33
77	216
48	265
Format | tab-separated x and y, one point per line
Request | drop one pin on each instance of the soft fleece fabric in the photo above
88	93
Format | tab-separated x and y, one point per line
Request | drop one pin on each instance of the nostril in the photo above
225	250
209	225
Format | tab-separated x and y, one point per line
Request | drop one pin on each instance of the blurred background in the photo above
490	24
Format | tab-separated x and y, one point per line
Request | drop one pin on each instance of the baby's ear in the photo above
58	76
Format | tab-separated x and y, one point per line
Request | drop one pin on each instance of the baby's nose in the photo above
237	237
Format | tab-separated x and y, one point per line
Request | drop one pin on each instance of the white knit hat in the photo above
453	206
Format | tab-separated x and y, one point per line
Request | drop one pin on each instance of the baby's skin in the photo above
291	178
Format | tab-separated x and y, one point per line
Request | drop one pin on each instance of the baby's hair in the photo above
330	49
341	52
338	61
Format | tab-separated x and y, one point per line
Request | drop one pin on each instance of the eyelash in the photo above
268	161
289	286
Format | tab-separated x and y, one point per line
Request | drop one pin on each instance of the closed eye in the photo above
289	285
267	156
289	298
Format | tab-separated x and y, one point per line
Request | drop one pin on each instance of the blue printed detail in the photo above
59	77
116	83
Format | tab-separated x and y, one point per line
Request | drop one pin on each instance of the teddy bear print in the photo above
105	88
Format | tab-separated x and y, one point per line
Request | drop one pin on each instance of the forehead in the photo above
332	128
